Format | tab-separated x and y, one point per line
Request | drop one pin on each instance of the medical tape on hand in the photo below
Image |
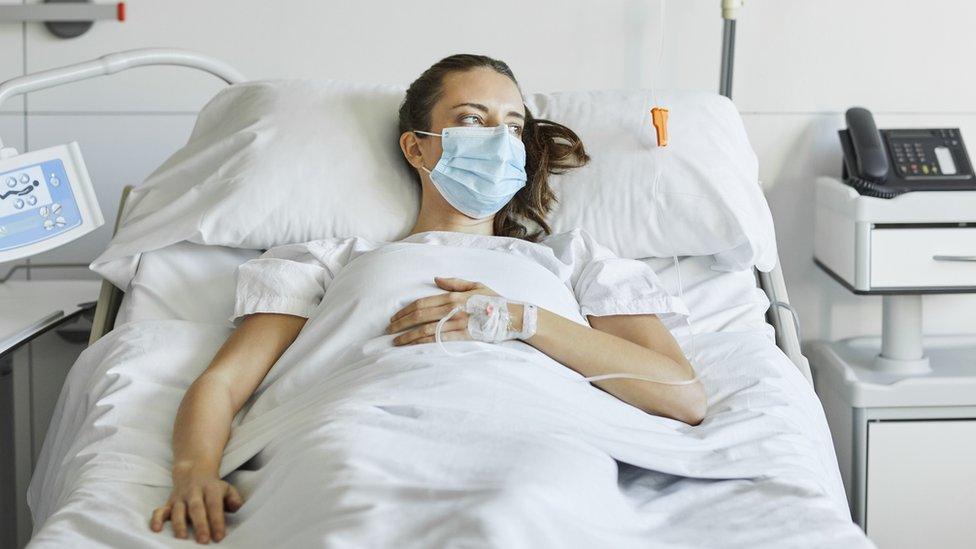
489	320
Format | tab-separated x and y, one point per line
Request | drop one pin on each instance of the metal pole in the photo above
902	347
728	57
901	331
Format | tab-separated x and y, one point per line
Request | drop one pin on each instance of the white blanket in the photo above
351	442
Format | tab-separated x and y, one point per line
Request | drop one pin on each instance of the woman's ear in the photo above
410	146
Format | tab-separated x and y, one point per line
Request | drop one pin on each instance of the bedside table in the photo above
33	362
906	445
902	407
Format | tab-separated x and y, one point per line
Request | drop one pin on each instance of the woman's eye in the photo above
515	129
470	119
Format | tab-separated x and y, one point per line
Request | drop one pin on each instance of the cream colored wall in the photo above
799	65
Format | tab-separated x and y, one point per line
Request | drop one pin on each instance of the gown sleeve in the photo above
605	284
287	279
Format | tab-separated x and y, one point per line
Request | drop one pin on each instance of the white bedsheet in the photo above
360	444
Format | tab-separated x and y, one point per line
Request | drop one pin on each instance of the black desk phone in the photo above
887	163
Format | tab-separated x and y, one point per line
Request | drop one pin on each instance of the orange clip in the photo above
659	117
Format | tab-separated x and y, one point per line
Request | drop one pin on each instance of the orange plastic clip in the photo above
659	117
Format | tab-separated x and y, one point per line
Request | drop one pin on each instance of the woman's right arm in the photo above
203	422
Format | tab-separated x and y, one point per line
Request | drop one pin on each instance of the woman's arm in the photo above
633	344
637	344
203	423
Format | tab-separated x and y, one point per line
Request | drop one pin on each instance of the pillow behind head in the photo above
699	195
283	161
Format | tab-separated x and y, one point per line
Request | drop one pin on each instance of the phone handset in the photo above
871	169
872	162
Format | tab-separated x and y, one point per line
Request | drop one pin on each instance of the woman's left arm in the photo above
633	344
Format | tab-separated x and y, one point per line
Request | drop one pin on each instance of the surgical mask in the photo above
480	169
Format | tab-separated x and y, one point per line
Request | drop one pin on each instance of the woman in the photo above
483	163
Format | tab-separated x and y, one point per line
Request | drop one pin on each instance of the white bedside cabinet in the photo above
906	445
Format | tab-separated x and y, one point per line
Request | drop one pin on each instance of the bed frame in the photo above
787	330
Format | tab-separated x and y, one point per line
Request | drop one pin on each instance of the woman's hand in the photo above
418	320
202	497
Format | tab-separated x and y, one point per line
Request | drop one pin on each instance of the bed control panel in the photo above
46	200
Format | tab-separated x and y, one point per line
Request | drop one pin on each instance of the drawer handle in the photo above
964	258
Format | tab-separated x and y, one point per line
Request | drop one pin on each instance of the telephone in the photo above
887	163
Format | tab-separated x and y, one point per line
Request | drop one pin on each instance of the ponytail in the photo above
550	148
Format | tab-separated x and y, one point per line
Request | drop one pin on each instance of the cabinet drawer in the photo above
908	258
920	484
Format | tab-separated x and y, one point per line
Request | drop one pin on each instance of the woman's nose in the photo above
493	120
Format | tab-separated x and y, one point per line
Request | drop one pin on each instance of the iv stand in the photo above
730	10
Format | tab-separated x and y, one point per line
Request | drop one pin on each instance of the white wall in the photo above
799	65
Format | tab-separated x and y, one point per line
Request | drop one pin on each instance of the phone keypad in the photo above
912	158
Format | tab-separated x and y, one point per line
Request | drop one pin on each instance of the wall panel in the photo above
824	55
550	44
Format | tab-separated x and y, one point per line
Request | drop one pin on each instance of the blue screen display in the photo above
36	203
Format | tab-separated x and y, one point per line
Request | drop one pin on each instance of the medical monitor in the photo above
46	200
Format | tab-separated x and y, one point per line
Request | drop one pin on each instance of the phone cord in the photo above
868	188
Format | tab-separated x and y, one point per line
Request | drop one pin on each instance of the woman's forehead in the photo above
483	87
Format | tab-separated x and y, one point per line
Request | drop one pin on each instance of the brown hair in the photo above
550	147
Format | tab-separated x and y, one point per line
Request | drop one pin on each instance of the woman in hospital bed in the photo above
483	163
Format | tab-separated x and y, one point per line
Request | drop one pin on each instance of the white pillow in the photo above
700	195
275	162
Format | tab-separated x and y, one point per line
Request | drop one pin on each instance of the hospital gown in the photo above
292	279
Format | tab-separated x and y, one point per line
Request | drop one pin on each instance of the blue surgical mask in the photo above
480	169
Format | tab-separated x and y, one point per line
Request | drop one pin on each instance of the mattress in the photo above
118	403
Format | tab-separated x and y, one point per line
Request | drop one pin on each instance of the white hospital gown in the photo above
292	279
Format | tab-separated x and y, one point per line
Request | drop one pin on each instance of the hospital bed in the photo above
743	315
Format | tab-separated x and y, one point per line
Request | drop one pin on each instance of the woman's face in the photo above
478	97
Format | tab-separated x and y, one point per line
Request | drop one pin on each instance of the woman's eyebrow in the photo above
484	109
477	106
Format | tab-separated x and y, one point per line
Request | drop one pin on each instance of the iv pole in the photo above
771	282
730	10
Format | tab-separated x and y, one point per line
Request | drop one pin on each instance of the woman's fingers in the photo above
423	303
422	316
198	514
178	517
214	501
427	331
456	335
233	500
159	516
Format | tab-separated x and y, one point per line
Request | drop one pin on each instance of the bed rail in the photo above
110	296
787	332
